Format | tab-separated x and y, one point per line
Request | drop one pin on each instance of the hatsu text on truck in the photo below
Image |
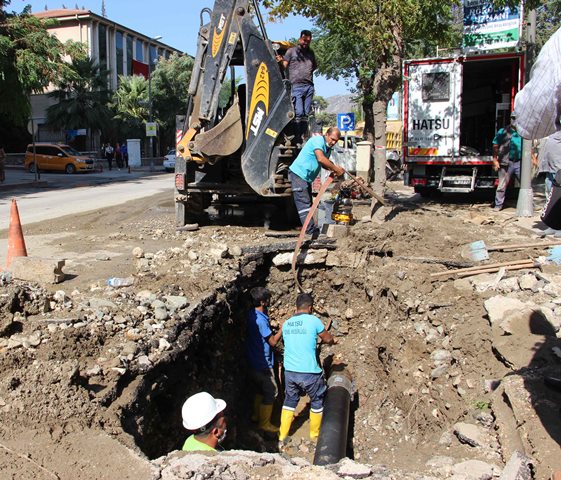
452	109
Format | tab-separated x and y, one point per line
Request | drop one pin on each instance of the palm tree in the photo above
130	101
82	98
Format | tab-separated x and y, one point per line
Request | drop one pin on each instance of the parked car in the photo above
169	160
57	157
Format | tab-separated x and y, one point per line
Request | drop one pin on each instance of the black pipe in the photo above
332	442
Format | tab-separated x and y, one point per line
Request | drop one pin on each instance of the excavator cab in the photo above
246	147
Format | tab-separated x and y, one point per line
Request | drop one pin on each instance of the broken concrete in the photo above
517	468
38	269
305	257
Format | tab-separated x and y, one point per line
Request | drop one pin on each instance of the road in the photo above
70	194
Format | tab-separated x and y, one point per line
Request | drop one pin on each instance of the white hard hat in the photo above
199	409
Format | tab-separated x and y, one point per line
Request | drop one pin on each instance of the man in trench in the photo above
260	343
203	415
302	373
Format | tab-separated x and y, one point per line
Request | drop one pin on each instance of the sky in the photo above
177	21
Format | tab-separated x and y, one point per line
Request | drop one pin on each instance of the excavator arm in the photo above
253	130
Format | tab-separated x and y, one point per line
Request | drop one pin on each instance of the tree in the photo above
130	104
320	103
170	85
365	41
81	95
30	59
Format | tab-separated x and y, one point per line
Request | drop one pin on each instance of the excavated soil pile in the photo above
442	383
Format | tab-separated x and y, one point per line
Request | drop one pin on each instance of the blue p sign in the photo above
346	121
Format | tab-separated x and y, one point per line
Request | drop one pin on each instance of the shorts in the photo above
298	383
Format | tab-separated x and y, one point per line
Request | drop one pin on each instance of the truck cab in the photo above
452	109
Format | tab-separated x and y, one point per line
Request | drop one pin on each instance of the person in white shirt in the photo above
538	105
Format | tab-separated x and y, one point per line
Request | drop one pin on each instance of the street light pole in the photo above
151	139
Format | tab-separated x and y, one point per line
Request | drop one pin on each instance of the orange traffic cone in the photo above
16	243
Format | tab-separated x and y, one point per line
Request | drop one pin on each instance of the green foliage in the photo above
326	119
320	103
482	405
548	20
81	95
30	59
130	102
365	41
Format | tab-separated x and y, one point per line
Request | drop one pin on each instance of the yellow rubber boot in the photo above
315	424
265	419
286	422
256	404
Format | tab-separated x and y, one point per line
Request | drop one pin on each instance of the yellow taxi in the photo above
57	157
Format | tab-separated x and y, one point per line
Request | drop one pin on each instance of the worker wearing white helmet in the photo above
204	416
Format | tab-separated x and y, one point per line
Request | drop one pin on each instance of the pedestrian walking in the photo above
109	155
2	164
302	373
507	153
125	154
118	156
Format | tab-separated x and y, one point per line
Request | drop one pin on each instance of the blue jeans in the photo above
548	182
299	383
302	194
302	96
505	174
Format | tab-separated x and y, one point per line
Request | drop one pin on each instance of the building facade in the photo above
114	47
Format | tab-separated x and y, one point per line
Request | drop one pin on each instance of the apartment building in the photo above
119	49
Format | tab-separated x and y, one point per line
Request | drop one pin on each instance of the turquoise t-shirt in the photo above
306	165
299	334
515	147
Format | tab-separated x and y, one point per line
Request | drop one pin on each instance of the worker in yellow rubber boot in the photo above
302	373
204	416
259	346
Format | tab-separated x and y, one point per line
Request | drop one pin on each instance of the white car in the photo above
169	161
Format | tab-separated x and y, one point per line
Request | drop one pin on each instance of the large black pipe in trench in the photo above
332	442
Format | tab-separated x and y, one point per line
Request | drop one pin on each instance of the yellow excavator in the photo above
245	148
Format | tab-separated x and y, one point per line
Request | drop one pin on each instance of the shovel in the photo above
478	251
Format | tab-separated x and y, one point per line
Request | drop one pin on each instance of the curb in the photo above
15	186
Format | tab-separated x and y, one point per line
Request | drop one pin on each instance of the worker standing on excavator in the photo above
302	373
259	346
306	168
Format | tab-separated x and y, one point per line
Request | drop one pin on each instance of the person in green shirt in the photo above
204	416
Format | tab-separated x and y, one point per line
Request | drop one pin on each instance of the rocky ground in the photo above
448	371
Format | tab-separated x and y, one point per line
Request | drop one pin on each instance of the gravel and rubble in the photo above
431	360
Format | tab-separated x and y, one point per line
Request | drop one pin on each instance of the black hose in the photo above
332	442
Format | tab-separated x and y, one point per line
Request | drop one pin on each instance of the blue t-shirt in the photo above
306	165
515	147
259	352
299	334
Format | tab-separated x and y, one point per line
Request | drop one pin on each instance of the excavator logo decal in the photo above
259	106
218	35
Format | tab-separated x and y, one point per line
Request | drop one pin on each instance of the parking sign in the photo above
346	121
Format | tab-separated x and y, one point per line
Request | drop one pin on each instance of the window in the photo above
139	51
102	46
120	52
436	87
129	54
153	56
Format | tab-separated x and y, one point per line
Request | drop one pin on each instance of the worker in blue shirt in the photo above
305	169
259	346
302	373
507	153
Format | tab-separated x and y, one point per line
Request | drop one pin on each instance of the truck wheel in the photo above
424	191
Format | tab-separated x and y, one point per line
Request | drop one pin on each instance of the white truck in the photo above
452	108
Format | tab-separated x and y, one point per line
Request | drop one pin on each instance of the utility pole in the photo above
525	205
151	139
